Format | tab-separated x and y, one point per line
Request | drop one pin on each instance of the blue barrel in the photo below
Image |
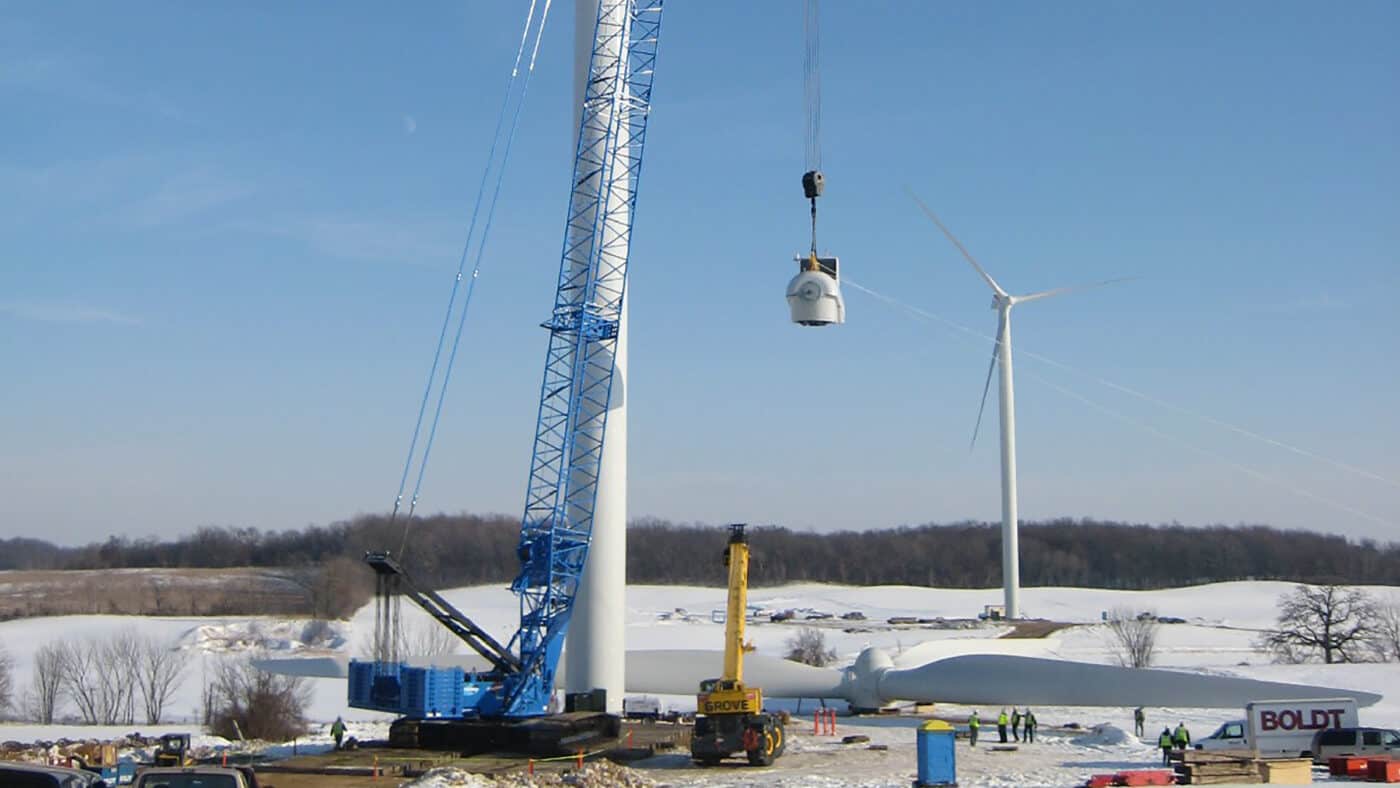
937	761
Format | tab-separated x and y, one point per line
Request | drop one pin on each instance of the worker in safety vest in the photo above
1028	733
1016	724
973	724
338	731
1165	742
1139	719
1181	737
1001	725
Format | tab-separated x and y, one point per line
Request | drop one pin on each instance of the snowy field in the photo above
1223	620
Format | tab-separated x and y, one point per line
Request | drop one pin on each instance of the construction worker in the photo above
338	731
1028	733
973	724
1016	724
1181	737
1165	742
1138	721
1001	725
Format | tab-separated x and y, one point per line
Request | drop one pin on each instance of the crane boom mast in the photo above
583	329
736	555
566	461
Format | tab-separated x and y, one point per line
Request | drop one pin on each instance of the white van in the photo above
1285	728
1229	736
1282	728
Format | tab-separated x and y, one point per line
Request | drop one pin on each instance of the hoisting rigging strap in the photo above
812	179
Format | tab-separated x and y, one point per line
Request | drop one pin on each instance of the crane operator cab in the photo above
814	295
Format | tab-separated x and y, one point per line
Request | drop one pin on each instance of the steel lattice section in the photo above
578	375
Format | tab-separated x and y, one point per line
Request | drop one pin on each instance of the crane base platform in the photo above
555	734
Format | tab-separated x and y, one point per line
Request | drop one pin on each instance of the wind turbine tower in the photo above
597	636
1002	302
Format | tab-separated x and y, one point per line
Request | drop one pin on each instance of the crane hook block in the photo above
812	183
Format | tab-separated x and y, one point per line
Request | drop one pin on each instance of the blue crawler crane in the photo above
494	707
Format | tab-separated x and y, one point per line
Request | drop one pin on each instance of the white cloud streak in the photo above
64	312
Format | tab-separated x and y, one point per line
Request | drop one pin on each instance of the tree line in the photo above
466	549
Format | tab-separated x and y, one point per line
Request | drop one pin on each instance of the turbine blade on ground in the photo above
966	254
985	388
1071	289
336	667
680	671
998	679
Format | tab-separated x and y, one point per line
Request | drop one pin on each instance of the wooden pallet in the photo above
1199	767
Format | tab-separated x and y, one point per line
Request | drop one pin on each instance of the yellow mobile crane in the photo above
730	717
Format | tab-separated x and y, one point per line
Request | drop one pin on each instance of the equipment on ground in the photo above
442	705
221	776
174	750
814	294
729	716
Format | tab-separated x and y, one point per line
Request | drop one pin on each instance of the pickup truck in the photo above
198	777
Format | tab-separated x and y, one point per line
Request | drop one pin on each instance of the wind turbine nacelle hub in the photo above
814	295
860	683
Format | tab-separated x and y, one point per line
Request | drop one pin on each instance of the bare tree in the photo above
420	637
7	679
101	677
1331	621
46	682
121	672
160	671
1133	637
426	638
338	587
242	701
1386	639
82	682
808	646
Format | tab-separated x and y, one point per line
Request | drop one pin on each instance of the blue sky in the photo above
227	233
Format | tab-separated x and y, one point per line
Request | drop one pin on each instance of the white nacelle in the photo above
814	295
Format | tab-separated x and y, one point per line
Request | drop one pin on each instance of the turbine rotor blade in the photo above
995	679
996	350
1071	289
333	667
966	254
679	672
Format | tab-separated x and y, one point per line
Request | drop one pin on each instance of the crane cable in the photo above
928	316
476	267
812	84
812	179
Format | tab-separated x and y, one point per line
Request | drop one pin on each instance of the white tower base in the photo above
595	651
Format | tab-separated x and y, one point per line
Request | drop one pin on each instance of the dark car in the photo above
1335	742
33	775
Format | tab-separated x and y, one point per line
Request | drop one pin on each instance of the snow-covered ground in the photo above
1223	620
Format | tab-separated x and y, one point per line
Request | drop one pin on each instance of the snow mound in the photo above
451	777
1104	735
296	635
600	774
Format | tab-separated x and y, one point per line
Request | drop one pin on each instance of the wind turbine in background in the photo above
1002	302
